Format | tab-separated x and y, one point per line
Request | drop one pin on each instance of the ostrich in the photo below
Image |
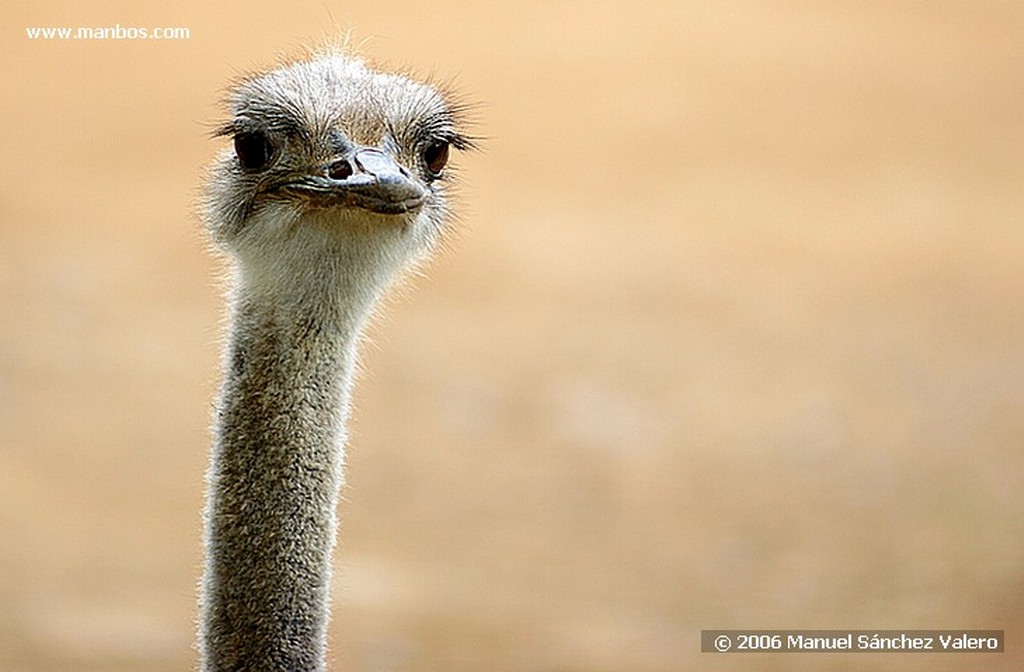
335	185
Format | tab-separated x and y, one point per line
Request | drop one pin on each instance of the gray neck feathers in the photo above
276	466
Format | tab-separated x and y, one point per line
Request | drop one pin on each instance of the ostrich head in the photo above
332	163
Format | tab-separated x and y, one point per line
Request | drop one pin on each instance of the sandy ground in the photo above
731	336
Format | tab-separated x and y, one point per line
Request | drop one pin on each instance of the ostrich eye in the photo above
253	150
436	157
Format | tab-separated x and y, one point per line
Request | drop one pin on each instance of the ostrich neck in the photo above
275	475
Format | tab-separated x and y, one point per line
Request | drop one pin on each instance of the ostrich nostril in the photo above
340	170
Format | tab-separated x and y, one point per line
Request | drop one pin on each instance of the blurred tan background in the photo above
732	336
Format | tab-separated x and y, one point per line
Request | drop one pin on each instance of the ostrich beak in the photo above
367	178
